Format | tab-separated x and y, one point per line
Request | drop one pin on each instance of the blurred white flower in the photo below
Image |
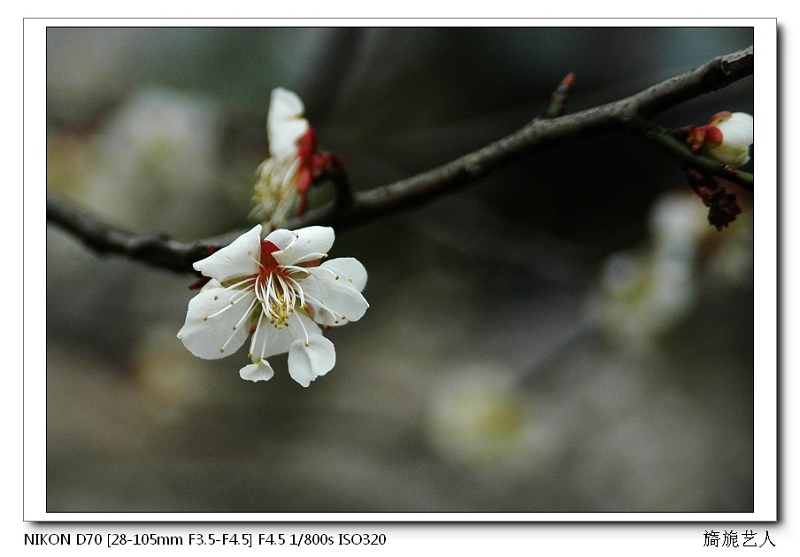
680	231
480	420
286	175
154	148
278	290
678	224
727	138
643	296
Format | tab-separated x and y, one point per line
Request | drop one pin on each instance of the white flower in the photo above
285	122
477	419
278	290
286	175
643	296
727	138
678	226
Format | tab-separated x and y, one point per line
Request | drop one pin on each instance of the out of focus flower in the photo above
285	177
478	420
678	226
153	148
727	138
278	290
644	296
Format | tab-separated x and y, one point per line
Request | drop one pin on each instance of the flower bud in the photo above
727	138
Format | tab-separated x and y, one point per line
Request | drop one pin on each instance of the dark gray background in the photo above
478	380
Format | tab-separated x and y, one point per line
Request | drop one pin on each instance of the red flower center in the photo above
268	263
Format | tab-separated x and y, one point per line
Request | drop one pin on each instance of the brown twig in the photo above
537	135
624	114
157	250
683	154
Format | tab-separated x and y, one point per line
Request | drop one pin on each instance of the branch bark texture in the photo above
630	114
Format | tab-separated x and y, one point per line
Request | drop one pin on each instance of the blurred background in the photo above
566	335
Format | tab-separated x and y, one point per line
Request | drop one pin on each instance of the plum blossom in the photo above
280	292
285	177
727	138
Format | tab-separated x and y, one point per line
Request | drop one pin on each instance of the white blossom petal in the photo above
737	136
281	238
284	105
333	301
311	243
260	371
733	156
285	124
307	361
350	269
217	322
212	283
737	131
239	259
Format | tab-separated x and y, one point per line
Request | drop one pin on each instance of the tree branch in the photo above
157	250
625	114
681	152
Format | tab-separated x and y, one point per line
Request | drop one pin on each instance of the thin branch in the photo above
625	114
536	136
683	154
157	250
